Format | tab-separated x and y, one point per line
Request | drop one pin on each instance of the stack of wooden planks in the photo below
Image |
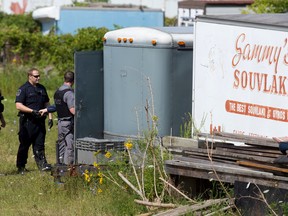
228	157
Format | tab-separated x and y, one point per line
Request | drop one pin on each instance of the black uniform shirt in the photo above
34	97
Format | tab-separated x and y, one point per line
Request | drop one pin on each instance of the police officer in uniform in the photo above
30	98
65	106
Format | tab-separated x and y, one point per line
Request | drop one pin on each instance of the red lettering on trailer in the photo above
246	51
261	82
256	110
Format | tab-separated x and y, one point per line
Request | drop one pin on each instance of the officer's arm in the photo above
23	108
49	113
51	109
70	100
72	110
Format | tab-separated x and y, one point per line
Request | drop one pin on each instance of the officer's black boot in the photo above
41	161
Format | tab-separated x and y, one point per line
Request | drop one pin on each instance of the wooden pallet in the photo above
230	158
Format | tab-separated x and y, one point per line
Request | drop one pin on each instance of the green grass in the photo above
36	193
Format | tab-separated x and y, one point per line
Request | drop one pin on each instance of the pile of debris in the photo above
228	157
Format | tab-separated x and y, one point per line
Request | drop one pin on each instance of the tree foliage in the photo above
23	22
170	21
22	42
269	6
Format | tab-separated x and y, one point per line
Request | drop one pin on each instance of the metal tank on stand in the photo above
147	75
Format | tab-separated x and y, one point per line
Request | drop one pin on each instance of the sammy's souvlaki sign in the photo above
241	80
26	6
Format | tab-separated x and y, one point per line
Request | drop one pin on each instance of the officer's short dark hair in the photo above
69	76
30	71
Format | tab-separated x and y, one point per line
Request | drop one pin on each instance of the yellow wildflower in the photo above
87	176
154	118
101	180
96	153
99	190
96	165
108	154
128	145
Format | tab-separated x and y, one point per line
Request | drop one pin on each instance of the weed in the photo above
189	128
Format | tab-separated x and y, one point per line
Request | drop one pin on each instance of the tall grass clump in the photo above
37	193
140	169
189	128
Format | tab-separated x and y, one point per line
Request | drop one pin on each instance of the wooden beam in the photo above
262	166
220	167
230	137
248	151
222	154
225	172
182	210
171	141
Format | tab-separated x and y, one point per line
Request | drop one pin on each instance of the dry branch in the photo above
131	185
219	211
182	210
164	205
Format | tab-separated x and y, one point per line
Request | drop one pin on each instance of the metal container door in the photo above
89	120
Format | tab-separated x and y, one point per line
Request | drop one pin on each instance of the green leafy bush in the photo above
25	22
22	43
269	6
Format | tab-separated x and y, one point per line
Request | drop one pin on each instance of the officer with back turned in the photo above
65	106
30	98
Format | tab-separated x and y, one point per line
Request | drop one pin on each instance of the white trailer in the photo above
240	74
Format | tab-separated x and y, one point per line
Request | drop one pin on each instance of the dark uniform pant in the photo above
31	132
